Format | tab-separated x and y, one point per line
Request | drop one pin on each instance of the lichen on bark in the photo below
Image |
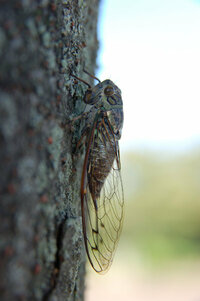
41	237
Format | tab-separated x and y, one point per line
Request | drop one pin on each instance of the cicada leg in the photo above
81	80
94	77
88	92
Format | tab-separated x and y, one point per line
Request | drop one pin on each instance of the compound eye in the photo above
109	91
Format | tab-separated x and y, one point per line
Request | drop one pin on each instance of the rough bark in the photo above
42	252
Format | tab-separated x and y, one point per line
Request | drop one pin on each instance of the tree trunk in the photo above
42	252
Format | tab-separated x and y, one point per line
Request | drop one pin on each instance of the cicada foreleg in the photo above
81	80
94	77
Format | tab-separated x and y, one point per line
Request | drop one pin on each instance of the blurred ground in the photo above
181	283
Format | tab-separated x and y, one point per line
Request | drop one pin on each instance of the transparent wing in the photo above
102	218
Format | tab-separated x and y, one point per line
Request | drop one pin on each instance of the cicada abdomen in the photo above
102	198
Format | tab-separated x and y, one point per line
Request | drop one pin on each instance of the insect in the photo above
102	198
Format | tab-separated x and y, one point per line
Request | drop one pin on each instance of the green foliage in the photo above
162	214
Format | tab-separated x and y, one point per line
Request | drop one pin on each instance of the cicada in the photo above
102	198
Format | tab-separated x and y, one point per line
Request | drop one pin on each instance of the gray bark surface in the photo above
41	245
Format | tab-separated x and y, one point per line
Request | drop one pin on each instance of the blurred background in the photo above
151	50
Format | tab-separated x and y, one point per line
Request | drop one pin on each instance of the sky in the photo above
151	50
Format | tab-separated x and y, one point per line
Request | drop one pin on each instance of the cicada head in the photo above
105	94
106	97
111	95
112	104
